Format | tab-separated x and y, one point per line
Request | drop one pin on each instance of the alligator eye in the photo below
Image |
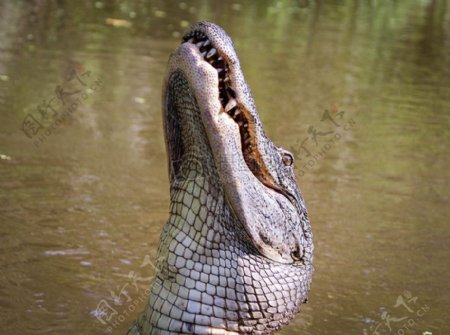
288	159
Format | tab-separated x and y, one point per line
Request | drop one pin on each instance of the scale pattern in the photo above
209	279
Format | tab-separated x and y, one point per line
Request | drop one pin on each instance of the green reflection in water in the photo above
84	208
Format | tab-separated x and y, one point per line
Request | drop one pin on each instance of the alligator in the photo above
236	254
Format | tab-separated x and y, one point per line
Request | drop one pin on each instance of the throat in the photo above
199	212
189	151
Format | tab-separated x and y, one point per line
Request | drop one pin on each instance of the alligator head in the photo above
235	256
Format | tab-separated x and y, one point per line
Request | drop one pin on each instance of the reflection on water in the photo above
84	209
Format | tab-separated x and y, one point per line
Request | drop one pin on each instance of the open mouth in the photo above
279	207
233	108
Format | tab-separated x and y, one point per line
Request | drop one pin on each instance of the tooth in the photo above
207	42
220	58
245	125
237	112
211	53
219	70
227	79
230	105
203	54
191	40
199	44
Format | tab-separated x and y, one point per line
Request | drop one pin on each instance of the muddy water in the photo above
359	91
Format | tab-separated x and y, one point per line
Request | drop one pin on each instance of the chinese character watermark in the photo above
53	111
113	311
403	319
320	140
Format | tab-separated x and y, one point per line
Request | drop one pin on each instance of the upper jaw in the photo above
267	215
235	97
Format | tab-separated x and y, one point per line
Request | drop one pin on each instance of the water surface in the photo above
82	204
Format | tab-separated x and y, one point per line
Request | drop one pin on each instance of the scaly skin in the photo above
235	256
